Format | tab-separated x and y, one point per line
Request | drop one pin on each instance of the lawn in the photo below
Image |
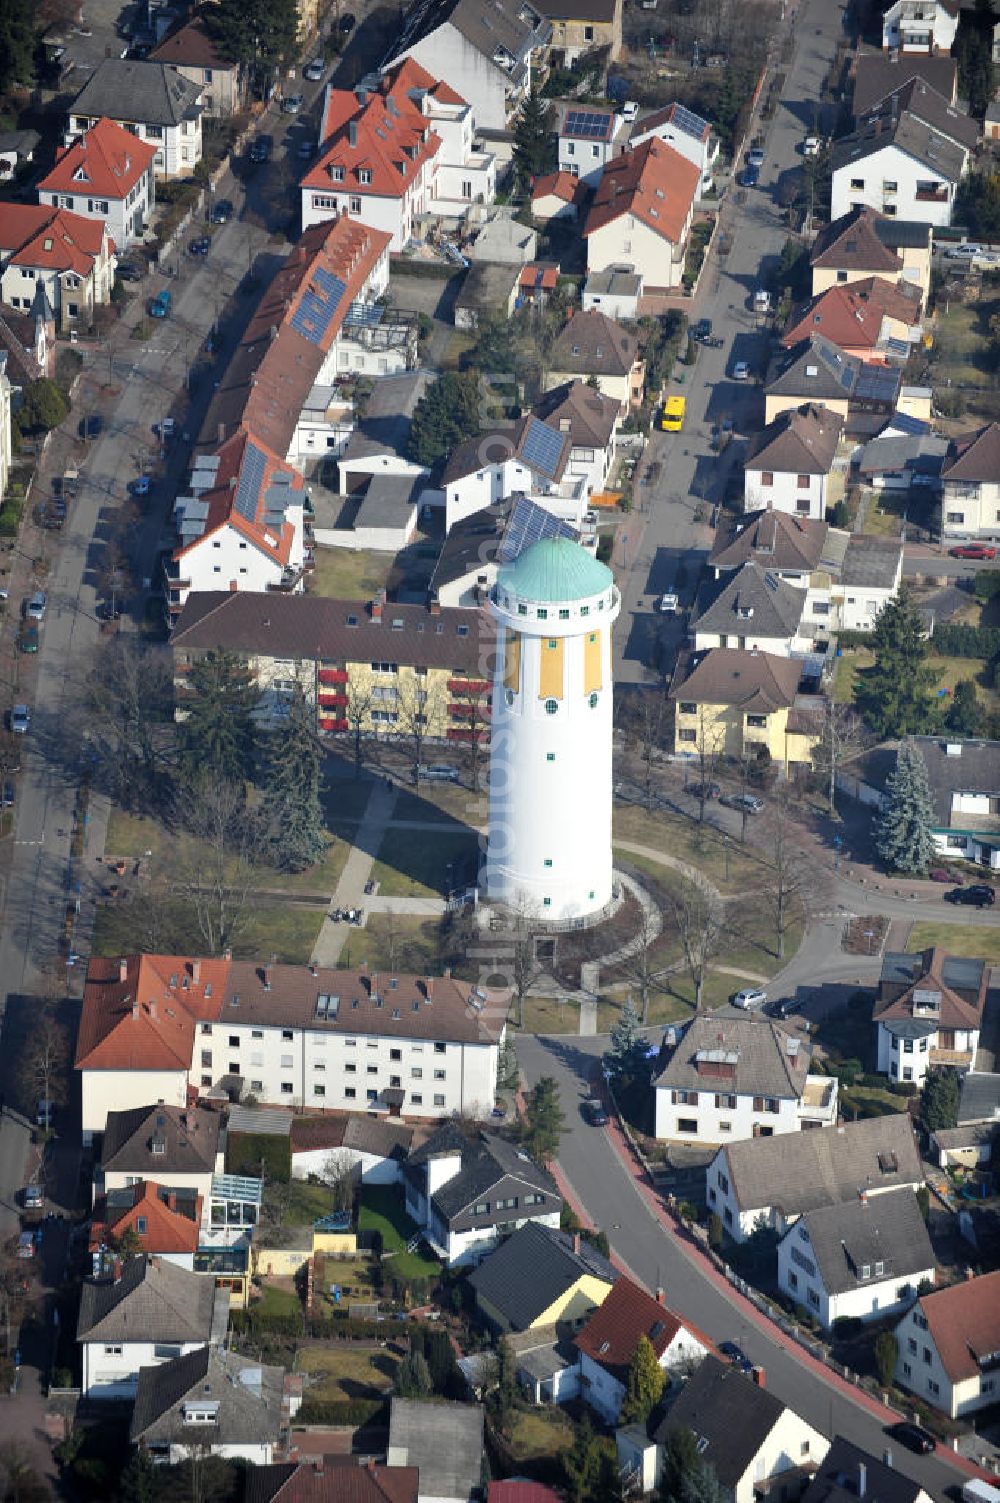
550	1015
701	846
381	1209
278	1302
467	811
307	1203
289	933
400	942
949	670
342	574
848	1034
963	351
868	1101
413	864
539	1433
342	1373
982	942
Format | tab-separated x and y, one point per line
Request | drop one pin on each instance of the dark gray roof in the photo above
975	769
144	92
776	539
471	546
191	1139
924	101
858	1234
838	1478
151	1301
529	1271
775	605
729	1412
447	1139
878	75
937	152
768	1060
613	281
484	1164
815	370
871	563
512	25
385	426
980	1099
920	453
486	285
389	500
247	1394
444	1441
800	1171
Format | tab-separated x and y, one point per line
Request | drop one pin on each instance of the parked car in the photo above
201	246
314	71
668	603
751	177
51	515
139	486
26	1244
304	151
747	803
750	997
741	371
973	550
347	23
20	720
222	212
736	1356
8	795
130	271
595	1113
27	637
91	427
701	331
293	103
755	157
812	146
976	896
160	305
260	149
704	790
166	428
34	1197
914	1437
34	606
782	1007
440	772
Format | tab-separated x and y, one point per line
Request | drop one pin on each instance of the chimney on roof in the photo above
152	1008
376	606
135	1007
318	1464
352	132
863	1196
661	1298
576	1242
759	1376
171	1200
435	607
227	954
196	970
862	1479
123	969
116	1270
266	977
446	972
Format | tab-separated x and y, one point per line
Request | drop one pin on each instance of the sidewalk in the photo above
350	892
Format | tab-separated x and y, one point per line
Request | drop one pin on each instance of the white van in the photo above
976	1491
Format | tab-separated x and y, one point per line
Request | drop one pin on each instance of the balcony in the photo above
464	733
469	712
333	675
928	195
327	723
468	686
332	701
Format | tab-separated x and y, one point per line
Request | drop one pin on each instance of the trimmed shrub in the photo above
987	584
854	638
256	1321
317	1411
956	641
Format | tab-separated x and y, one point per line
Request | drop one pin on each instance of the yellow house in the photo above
541	1277
864	244
580	26
728	703
367	666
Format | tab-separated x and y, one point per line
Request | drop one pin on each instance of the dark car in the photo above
744	803
701	331
51	515
260	149
130	271
222	212
914	1437
139	486
8	795
976	896
199	247
347	23
595	1113
704	790
736	1356
27	638
782	1007
751	177
109	611
91	427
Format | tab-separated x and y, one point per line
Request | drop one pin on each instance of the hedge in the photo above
855	638
343	1328
987	583
272	1322
967	641
245	1150
317	1411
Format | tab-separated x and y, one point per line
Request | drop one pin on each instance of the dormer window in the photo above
744	612
364	175
337	174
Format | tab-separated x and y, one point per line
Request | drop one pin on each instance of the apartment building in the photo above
300	1036
641	214
152	102
366	665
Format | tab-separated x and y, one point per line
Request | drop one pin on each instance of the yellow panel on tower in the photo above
512	661
550	673
592	663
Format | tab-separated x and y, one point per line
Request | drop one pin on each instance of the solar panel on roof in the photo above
528	523
542	447
584	123
904	423
689	122
365	315
251	479
320	302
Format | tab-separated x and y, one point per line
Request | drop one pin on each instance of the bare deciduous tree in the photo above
638	967
699	918
708	749
420	709
842	735
340	1174
644	721
473	702
217	875
130	701
788	874
47	1057
360	699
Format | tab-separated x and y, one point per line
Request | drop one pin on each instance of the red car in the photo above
973	550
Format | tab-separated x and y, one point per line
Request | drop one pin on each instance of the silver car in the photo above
20	720
751	996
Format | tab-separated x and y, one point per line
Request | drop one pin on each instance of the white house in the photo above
970	485
180	1147
64	256
396	151
948	1346
485	59
732	1078
772	1181
687	133
615	291
769	1441
105	174
928	1012
901	165
374	1149
862	1259
146	1313
153	102
591	419
157	1026
223	1404
469	1193
531	458
641	214
753	610
607	1343
788	464
588	140
920	26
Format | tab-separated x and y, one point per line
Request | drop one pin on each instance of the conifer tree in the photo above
645	1384
903	834
532	138
294	811
895	694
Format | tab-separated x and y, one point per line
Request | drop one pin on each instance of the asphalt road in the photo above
612	1202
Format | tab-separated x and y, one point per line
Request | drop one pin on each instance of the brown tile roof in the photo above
55	239
976	456
612	1333
593	344
876	76
852	243
312	627
964	1322
363	1133
188	1140
191	46
332	1479
562	184
588	416
758	682
168	1229
851	314
654	183
801	441
148	1020
112	159
897	1001
775	539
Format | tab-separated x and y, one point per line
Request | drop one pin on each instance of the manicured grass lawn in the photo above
982	942
412	1265
867	1101
307	1203
400	942
467	812
540	1433
286	932
381	1209
344	1373
550	1015
701	846
353	1275
848	1034
664	1007
949	671
412	864
275	1301
341	574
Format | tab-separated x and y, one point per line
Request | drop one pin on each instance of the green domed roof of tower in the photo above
555	569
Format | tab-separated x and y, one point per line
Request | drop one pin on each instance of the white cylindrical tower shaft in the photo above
549	851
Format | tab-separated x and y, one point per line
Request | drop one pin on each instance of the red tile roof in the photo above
537	278
612	1333
653	182
107	160
964	1322
240	460
139	1013
955	1011
385	135
333	1479
167	1229
56	239
191	46
560	184
851	314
